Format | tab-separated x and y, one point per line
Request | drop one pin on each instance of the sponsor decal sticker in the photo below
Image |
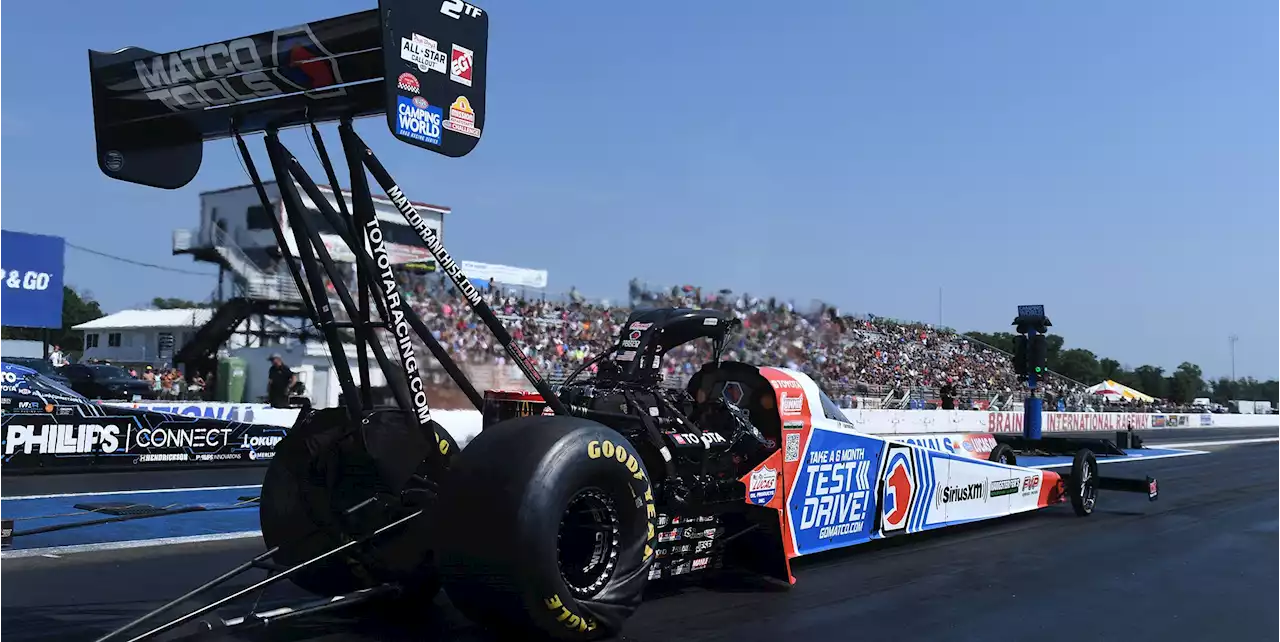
462	119
418	120
461	61
791	405
64	439
175	437
764	485
899	489
423	53
408	82
1002	487
831	501
965	493
1030	485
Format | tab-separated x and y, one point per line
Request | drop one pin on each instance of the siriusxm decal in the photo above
832	501
225	412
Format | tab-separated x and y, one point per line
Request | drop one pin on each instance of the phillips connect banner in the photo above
31	279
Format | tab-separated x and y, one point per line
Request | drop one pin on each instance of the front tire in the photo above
1003	454
1083	484
548	529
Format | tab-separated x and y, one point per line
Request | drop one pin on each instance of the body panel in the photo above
838	487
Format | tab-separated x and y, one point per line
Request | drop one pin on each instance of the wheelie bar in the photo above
1130	485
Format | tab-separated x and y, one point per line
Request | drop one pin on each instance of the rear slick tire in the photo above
547	529
1082	487
320	469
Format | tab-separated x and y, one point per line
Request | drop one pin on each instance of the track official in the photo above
948	394
279	379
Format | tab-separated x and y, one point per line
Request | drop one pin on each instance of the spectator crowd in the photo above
866	355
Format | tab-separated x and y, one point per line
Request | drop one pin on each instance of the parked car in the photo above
103	381
41	366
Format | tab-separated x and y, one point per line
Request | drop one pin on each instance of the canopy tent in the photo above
1115	390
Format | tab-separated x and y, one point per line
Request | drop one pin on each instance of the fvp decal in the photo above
832	501
899	489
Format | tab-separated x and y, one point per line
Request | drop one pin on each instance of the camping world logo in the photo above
899	489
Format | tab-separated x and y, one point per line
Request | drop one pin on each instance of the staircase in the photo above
203	346
252	281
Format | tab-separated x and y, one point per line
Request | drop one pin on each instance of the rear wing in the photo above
422	63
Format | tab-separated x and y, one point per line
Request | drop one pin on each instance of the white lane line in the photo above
148	491
114	546
1105	460
1228	442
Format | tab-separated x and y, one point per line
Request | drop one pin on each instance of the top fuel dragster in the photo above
546	525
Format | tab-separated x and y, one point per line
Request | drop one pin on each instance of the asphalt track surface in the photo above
1201	563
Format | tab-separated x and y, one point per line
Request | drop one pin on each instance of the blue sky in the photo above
1113	161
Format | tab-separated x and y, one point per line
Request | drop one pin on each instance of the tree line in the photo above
1184	384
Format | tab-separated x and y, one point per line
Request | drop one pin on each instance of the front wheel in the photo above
548	529
1082	487
1003	454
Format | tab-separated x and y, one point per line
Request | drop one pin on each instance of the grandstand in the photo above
864	361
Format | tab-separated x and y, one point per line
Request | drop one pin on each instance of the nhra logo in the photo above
899	489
